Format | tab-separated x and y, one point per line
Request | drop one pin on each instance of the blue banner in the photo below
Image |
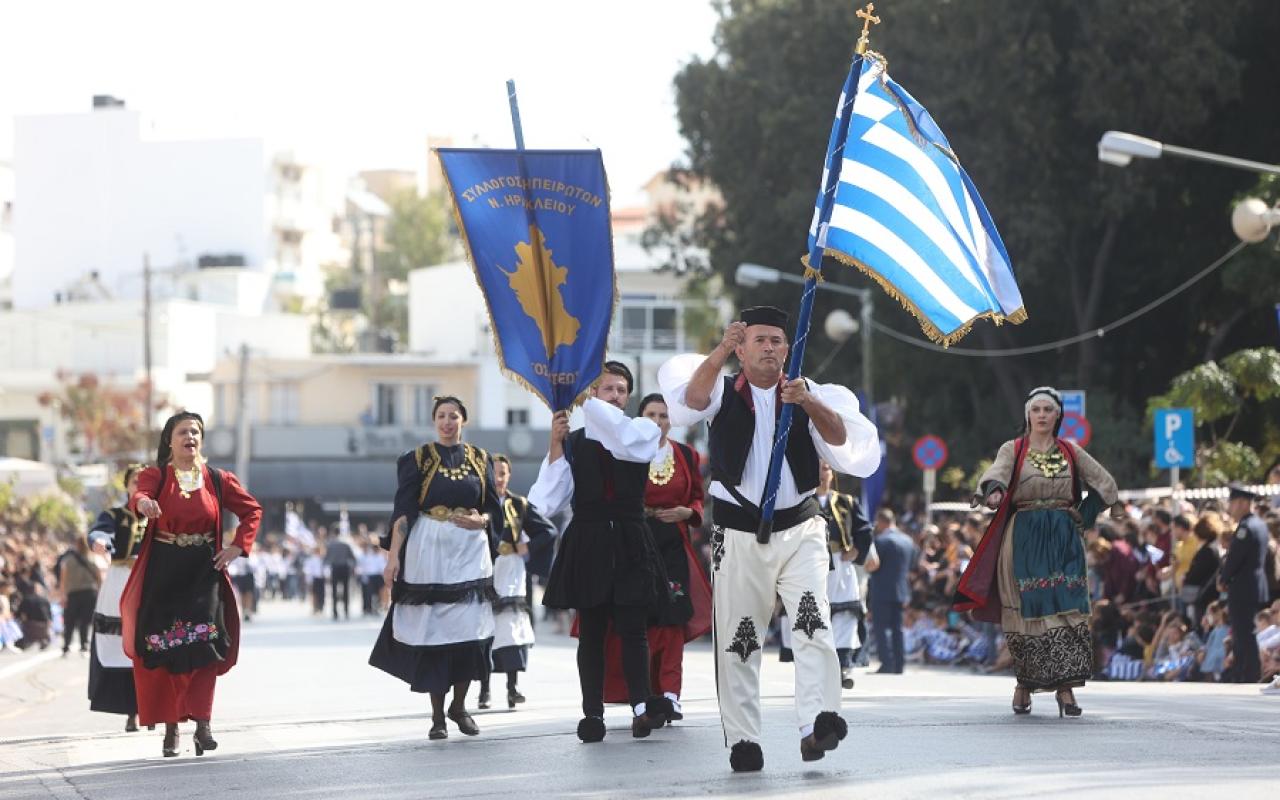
536	227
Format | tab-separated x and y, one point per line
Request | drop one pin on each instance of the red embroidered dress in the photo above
179	619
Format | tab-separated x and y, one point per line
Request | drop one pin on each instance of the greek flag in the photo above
905	212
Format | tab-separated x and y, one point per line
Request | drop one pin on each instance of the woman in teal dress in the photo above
1029	571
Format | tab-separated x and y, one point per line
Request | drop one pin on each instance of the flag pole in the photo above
515	114
518	129
813	274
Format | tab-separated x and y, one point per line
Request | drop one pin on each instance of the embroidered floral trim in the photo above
182	633
745	642
1051	582
717	547
676	589
808	615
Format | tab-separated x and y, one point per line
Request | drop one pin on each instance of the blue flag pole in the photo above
813	274
528	204
515	114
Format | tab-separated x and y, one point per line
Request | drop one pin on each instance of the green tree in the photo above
419	233
1238	394
1023	91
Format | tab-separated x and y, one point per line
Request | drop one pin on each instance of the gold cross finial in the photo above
868	19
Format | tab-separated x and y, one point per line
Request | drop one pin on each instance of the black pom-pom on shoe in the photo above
828	729
591	729
828	724
746	757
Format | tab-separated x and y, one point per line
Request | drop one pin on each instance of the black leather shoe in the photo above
464	722
514	697
131	723
438	730
746	757
483	702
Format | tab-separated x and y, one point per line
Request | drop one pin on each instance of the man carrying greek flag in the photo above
742	411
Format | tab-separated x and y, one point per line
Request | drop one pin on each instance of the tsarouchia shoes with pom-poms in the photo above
746	757
591	729
828	730
653	716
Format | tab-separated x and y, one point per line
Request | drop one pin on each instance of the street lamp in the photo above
753	275
1251	220
1118	148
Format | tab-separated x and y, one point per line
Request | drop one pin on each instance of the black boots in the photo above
204	737
170	747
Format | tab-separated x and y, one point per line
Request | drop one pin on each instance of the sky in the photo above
359	85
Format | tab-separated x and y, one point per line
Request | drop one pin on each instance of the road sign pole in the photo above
1173	479
930	484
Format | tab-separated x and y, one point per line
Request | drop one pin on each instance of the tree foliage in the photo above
1238	395
1023	91
419	233
108	422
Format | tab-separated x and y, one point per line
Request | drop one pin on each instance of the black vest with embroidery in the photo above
733	429
604	487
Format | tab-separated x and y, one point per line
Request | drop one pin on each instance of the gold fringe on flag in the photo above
507	372
933	332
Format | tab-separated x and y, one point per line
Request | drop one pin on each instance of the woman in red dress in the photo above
180	624
673	504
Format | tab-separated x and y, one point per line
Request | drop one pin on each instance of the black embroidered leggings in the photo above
629	623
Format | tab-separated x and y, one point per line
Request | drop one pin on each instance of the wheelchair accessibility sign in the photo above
1175	443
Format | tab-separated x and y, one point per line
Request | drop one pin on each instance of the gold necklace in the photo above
1050	464
189	480
661	474
459	472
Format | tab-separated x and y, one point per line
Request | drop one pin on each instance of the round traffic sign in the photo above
929	452
1076	428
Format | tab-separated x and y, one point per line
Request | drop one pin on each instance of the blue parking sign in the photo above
1073	402
1175	436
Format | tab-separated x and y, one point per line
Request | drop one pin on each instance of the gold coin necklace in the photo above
660	474
1050	464
189	480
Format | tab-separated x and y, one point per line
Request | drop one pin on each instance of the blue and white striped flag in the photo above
906	213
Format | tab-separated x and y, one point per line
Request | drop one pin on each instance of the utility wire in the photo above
1097	333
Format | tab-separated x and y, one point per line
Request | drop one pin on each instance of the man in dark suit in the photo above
1242	578
889	589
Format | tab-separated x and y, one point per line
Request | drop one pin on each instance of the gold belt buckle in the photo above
506	549
443	513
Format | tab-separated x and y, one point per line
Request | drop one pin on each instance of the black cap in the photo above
764	315
1238	490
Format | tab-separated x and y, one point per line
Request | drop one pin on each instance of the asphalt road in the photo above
303	716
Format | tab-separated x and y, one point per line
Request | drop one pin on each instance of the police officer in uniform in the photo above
1242	578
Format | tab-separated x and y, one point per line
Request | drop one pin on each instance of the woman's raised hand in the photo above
149	508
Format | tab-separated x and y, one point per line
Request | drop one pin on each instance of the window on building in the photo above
423	397
517	417
665	333
647	323
635	326
386	404
283	403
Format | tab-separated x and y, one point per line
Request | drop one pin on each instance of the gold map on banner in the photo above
536	280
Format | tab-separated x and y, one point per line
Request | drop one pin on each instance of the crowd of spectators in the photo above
1157	611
